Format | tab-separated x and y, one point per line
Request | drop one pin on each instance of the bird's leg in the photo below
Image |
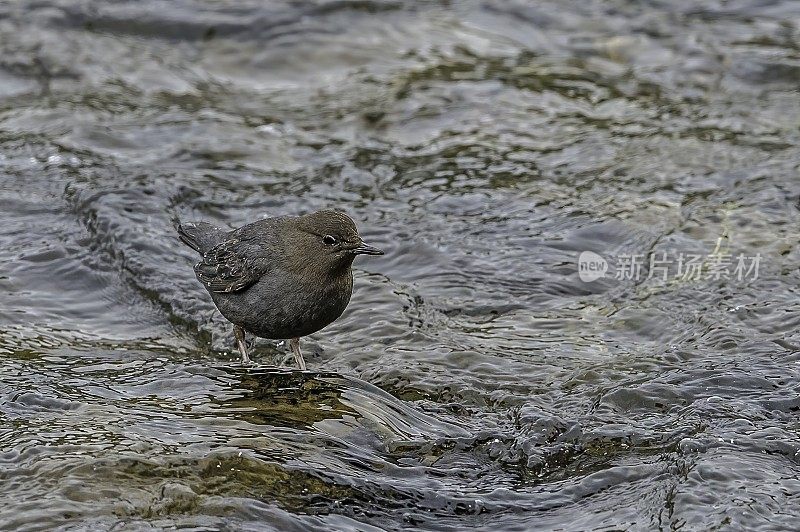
238	332
294	343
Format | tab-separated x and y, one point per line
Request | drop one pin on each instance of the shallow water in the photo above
475	380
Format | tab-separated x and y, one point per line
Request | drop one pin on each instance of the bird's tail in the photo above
200	236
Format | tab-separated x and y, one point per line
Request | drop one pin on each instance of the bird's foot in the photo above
238	332
294	343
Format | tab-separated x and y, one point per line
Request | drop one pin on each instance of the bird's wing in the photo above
232	265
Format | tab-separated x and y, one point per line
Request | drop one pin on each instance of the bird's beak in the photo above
364	249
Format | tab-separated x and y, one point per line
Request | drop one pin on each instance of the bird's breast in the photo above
286	307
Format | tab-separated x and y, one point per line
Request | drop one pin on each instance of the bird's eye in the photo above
329	240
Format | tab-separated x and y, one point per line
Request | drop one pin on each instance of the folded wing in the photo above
232	265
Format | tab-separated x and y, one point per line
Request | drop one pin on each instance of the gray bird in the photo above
279	278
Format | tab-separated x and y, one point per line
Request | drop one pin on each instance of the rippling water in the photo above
475	380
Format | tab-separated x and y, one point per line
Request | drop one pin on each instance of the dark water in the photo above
475	380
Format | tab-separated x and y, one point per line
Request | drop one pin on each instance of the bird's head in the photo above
331	238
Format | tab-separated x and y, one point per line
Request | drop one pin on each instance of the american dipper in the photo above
279	278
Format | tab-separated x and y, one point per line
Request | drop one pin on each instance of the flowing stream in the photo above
476	380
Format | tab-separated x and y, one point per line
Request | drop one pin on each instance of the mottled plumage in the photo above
282	277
